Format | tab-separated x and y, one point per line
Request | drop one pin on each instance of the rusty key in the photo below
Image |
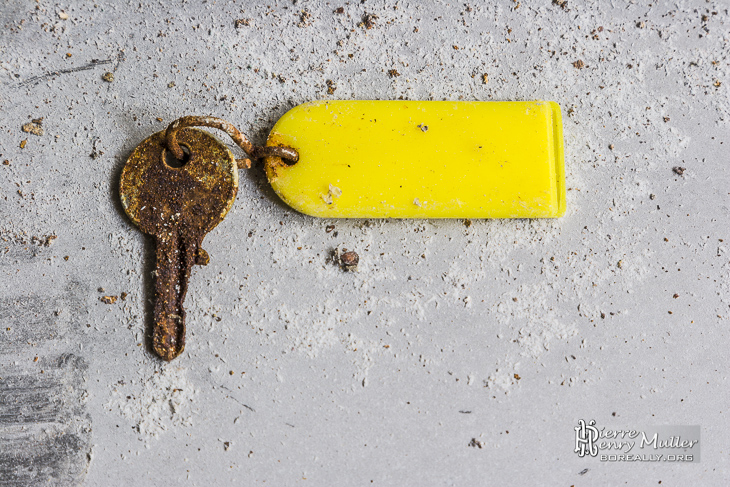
178	206
178	201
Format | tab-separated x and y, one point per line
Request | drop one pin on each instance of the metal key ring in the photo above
289	155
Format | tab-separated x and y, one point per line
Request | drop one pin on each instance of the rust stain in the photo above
178	207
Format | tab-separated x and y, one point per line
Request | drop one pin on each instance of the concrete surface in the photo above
457	355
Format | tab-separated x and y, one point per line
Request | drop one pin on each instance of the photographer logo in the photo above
671	444
585	438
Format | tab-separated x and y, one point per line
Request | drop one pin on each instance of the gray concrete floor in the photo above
457	355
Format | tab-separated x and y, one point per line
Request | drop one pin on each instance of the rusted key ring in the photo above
255	151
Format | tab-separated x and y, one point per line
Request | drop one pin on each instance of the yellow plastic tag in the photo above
421	159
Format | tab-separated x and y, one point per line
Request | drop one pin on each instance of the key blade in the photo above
175	258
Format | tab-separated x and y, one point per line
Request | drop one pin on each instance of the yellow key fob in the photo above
421	159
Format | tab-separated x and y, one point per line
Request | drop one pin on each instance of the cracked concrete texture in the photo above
456	354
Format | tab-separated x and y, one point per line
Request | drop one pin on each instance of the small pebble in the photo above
33	127
474	443
350	260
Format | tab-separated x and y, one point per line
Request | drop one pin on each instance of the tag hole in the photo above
173	161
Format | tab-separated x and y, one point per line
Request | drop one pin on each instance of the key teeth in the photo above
202	257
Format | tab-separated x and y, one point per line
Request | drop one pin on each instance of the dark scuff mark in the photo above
34	80
45	433
31	320
17	248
